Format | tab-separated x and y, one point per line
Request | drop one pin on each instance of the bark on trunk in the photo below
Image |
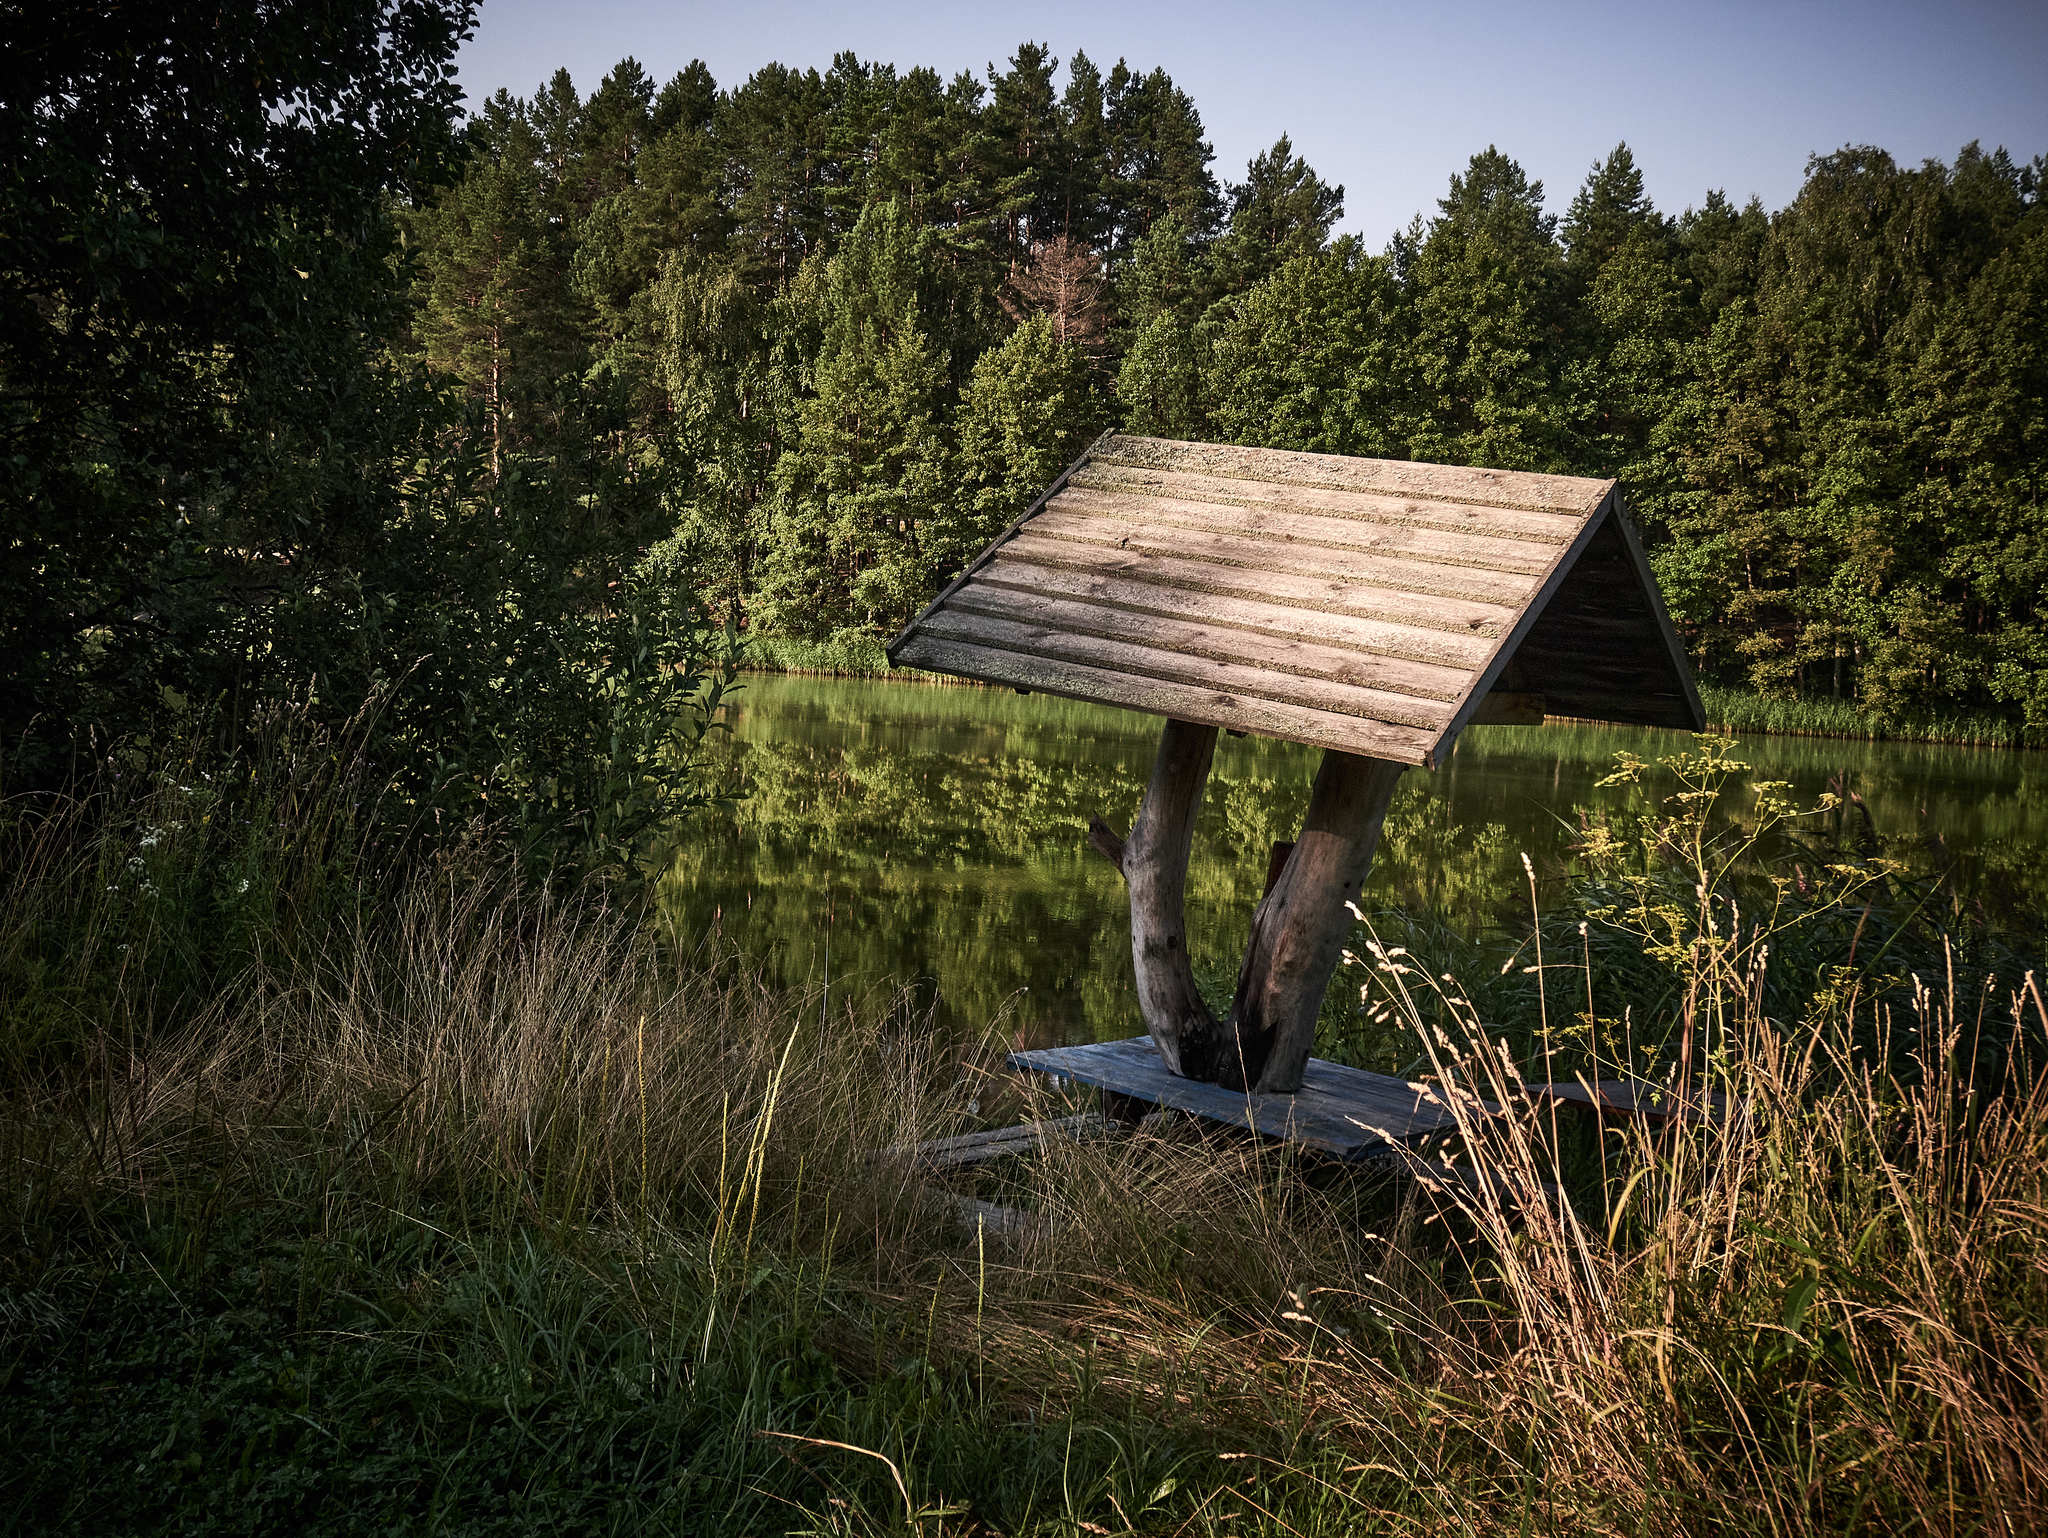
1298	932
1154	861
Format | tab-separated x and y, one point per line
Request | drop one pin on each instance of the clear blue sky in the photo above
1390	99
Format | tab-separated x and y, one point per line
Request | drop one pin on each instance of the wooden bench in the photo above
1344	1112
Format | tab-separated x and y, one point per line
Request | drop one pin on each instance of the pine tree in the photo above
1312	358
1062	281
1079	176
872	467
497	309
1157	160
1606	213
1028	411
1163	297
772	130
1280	211
1023	125
1486	281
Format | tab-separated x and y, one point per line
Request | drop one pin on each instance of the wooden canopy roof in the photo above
1373	606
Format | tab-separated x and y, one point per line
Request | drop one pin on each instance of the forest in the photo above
816	337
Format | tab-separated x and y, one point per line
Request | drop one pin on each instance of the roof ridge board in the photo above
1587	492
1390	652
1188	504
1188	494
1447	588
970	600
1476	629
1165	672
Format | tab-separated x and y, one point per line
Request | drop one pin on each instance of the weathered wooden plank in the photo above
1155	660
1225	643
1431	647
1467	555
1502	528
1342	1111
1514	490
1013	1225
1209	707
1434	587
1331	595
967	1149
1655	1105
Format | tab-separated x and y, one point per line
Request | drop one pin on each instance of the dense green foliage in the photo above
843	325
231	487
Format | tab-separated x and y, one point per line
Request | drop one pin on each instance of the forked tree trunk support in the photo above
1297	933
1154	860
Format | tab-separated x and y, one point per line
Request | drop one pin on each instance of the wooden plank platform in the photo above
1618	1100
1345	1112
966	1149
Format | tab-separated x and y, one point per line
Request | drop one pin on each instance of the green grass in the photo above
1745	712
476	1209
849	654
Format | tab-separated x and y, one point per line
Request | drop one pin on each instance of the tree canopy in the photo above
280	362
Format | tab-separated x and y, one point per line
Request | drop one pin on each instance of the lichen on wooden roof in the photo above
1372	606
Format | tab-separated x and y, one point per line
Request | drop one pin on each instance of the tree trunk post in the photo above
1154	862
1298	931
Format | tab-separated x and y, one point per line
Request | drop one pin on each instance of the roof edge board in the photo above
1681	664
988	553
1511	642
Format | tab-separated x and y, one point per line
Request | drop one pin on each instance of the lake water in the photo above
911	834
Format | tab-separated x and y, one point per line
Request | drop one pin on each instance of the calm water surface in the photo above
909	834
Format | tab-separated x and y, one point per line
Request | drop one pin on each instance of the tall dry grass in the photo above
1824	1312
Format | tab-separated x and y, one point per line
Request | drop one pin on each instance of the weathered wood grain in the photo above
1429	548
1458	630
1154	659
1403	744
1298	931
1501	528
967	1149
1345	1112
1154	862
1260	616
1394	477
1225	643
1436	589
1225	585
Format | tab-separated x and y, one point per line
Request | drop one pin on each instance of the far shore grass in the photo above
1742	711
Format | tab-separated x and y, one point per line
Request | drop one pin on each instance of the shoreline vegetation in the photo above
1733	710
346	1193
384	521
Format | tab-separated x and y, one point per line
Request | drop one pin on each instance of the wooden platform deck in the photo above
1341	1111
1621	1100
